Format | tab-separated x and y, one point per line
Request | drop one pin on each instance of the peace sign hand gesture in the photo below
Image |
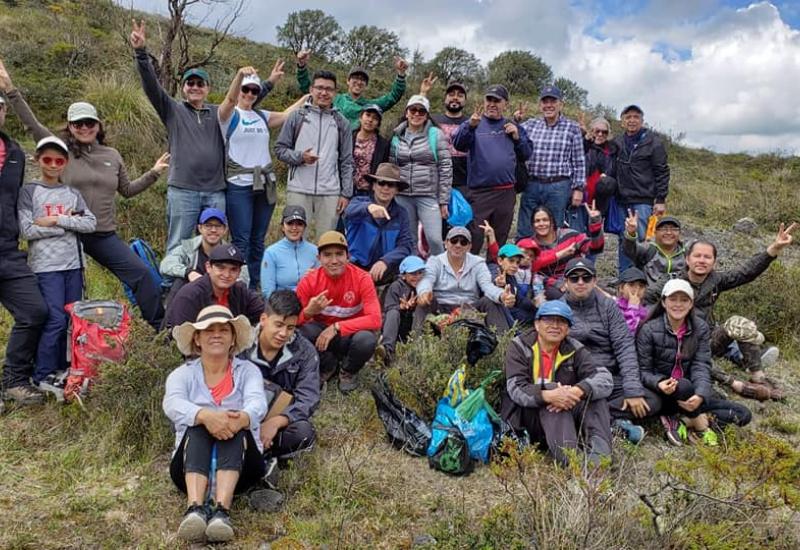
475	119
426	84
138	35
593	212
782	239
277	72
632	222
522	111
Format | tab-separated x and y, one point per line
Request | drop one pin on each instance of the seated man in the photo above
664	254
457	278
187	262
289	363
218	286
341	313
600	326
554	390
377	226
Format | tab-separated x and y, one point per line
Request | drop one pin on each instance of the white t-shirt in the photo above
249	143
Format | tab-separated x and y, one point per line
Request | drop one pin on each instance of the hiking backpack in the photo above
146	253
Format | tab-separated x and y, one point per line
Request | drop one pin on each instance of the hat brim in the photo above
455	87
496	96
401	185
85	117
580	270
184	333
294	217
227	261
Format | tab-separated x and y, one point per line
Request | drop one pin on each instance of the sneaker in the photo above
219	528
193	524
770	357
54	384
709	438
24	395
671	425
632	432
683	432
347	382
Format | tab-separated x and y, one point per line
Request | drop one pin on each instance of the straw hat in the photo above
184	333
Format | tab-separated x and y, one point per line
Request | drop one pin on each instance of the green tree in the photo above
311	30
369	46
452	63
572	92
520	71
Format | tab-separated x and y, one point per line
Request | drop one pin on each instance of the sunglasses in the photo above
601	132
295	223
252	90
87	123
58	162
385	183
195	83
462	241
417	111
580	278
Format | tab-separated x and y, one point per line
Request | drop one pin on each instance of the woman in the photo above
419	148
369	148
216	403
286	261
601	153
251	193
99	173
559	246
675	361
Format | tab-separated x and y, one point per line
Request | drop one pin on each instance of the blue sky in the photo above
720	72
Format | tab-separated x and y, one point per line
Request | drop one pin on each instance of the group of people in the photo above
262	330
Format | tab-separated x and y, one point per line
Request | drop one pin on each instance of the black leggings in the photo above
725	412
240	453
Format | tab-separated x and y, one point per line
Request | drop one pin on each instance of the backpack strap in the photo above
234	122
433	142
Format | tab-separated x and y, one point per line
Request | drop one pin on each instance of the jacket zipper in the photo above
319	143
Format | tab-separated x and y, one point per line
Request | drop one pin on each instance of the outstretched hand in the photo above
488	231
782	239
475	119
400	65
138	37
521	111
277	72
426	84
632	222
592	210
5	79
161	164
302	57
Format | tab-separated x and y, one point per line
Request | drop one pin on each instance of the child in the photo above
50	215
630	294
399	305
521	281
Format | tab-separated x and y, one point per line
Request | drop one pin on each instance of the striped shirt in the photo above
557	150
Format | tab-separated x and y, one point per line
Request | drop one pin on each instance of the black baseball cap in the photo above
671	220
579	264
497	91
456	84
372	108
226	253
631	108
294	212
359	71
631	275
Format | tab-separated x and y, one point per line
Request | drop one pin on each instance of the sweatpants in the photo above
20	295
321	209
495	313
58	289
617	398
292	439
495	206
353	351
396	326
725	412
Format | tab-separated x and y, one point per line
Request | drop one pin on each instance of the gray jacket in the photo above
327	133
451	290
183	259
425	175
650	258
600	326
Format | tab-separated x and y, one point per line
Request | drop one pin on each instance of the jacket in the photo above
524	308
600	326
642	173
397	290
381	153
328	135
452	290
651	259
493	155
371	240
297	372
12	173
547	262
426	175
182	260
350	107
194	296
521	391
634	314
186	393
196	145
657	347
285	263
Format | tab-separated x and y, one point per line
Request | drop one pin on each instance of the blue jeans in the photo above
644	211
425	210
183	210
249	215
555	196
58	289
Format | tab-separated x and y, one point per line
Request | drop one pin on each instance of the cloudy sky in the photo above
722	72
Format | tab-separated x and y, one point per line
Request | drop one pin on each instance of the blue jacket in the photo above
371	240
285	263
493	155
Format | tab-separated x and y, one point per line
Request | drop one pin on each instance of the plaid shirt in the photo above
557	150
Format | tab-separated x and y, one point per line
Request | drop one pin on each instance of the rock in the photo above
266	500
422	540
265	546
745	225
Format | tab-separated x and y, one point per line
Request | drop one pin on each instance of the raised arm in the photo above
277	119
21	108
387	101
128	188
158	97
232	97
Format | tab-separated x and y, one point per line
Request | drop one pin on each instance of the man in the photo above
456	279
220	285
708	284
341	312
495	145
557	166
187	262
599	324
19	290
642	174
455	99
554	390
317	144
370	148
377	226
664	254
351	104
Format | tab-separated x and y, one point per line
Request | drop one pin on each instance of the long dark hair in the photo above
74	145
542	208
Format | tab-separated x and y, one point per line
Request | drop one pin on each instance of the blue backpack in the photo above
235	118
146	253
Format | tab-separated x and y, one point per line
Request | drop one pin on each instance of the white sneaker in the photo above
770	357
54	383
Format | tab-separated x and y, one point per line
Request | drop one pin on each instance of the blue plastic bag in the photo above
460	209
478	433
615	222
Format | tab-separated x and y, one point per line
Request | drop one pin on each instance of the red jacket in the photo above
551	267
355	303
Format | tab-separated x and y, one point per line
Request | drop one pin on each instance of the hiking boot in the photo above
24	395
347	382
632	432
219	527
770	357
266	500
54	384
193	524
671	426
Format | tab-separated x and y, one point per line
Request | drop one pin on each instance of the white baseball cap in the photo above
52	141
251	80
677	285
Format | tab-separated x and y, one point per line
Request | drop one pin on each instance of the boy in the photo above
399	305
50	215
632	285
508	273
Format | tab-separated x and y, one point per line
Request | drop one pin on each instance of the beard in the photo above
454	107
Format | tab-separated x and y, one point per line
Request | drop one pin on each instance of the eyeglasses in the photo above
385	183
58	162
87	123
587	278
554	320
195	83
417	111
461	241
325	89
214	226
668	229
252	90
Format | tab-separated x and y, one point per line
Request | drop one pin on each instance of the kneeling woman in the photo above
216	403
675	362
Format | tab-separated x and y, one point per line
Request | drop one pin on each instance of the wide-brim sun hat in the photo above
184	333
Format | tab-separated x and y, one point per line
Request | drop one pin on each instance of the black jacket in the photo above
643	173
12	175
198	294
657	346
380	155
598	161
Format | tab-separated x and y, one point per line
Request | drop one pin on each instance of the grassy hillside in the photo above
96	477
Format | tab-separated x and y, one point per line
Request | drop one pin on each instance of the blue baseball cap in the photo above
412	264
555	308
509	251
550	91
213	213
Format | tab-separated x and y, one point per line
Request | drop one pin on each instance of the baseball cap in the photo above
227	253
456	84
509	251
372	108
53	142
331	238
293	212
200	73
550	91
213	213
664	220
251	80
359	71
632	108
631	275
459	231
81	111
497	91
555	308
677	285
418	99
579	264
412	264
528	244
